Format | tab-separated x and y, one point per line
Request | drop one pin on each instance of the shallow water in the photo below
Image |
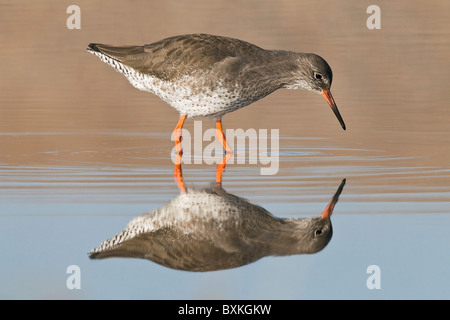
83	152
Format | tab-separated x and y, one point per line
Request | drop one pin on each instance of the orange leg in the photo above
177	134
221	136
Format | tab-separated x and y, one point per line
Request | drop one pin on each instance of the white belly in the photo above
189	96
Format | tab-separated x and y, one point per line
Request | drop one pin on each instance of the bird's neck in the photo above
283	67
289	237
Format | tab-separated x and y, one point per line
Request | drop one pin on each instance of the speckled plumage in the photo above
207	75
211	229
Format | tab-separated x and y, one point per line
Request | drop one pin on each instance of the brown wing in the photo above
179	55
177	250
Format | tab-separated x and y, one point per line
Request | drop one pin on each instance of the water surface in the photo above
83	152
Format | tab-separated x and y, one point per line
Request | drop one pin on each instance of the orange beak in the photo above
326	214
327	95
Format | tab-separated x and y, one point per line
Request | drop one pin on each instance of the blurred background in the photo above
83	152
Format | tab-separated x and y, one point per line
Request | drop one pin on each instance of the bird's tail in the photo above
118	53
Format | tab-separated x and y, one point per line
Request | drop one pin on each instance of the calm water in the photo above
83	152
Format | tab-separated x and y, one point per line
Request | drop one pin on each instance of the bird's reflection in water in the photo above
206	229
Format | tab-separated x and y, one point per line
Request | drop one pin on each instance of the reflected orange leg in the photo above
177	169
178	174
221	137
177	134
220	168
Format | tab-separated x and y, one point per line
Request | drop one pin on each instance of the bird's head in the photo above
313	73
316	235
316	232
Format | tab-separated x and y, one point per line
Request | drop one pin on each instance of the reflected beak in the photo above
326	214
327	95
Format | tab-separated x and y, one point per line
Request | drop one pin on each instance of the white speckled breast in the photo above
189	95
183	212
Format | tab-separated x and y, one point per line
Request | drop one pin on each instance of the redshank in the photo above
208	75
206	229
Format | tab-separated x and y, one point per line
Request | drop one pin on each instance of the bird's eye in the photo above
318	233
318	76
